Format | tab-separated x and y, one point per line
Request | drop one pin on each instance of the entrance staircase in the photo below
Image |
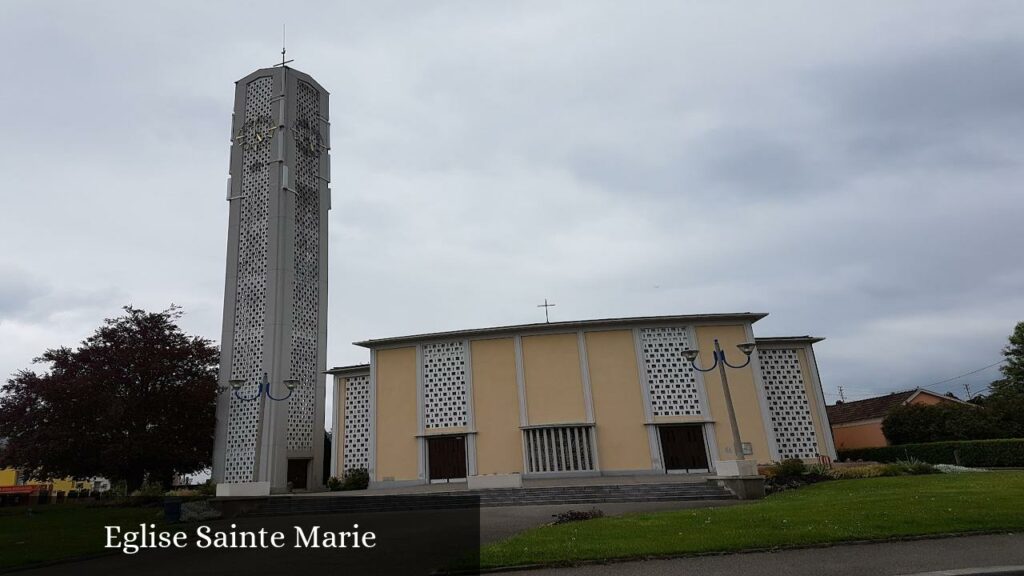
538	496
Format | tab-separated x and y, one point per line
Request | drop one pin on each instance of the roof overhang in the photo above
353	370
778	340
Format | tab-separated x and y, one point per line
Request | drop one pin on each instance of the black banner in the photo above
395	538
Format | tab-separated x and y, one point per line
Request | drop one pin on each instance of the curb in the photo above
993	570
1002	570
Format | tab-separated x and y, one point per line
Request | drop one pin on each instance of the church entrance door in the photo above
446	458
683	448
298	473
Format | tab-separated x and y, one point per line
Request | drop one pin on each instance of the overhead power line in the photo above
964	374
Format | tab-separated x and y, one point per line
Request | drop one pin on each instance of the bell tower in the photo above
270	413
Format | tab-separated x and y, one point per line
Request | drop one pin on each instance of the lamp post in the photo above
264	388
720	362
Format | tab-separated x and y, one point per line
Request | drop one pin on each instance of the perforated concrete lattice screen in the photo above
672	381
788	404
305	298
357	423
444	385
251	292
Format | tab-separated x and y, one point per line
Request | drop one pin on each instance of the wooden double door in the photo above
446	458
683	448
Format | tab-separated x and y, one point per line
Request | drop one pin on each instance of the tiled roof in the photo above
867	409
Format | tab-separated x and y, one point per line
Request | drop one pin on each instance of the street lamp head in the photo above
747	347
690	355
236	384
291	383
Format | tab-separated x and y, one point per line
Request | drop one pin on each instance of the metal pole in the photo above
737	444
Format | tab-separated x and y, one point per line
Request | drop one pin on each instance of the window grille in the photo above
559	449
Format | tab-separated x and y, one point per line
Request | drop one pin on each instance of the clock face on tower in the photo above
307	138
255	132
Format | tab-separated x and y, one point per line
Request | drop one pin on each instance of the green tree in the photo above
1012	383
135	400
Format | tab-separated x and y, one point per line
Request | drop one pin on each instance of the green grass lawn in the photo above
56	531
836	511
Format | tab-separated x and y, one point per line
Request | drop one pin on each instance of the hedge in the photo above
982	453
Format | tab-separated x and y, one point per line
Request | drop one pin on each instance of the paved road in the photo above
888	559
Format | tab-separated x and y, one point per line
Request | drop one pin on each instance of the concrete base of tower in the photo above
736	468
744	487
243	489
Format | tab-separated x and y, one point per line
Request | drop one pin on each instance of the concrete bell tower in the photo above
270	413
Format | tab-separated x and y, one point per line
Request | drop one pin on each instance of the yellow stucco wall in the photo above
395	420
554	386
8	477
618	401
496	407
741	385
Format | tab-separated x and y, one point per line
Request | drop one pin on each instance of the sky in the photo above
852	169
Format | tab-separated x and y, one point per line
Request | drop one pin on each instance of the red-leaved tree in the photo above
135	400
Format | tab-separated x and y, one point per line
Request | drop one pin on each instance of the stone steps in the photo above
589	495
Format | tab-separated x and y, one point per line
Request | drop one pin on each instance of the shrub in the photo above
900	468
148	494
819	469
207	488
148	490
183	493
853	472
916	423
356	479
791	467
334	484
913	466
577	515
973	453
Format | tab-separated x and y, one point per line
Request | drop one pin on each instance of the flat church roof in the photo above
788	339
561	326
354	369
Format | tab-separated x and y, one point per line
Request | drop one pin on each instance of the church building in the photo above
584	398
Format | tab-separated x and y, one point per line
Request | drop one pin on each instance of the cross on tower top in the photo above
283	50
545	306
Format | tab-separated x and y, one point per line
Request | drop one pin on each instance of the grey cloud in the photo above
857	185
17	293
961	104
